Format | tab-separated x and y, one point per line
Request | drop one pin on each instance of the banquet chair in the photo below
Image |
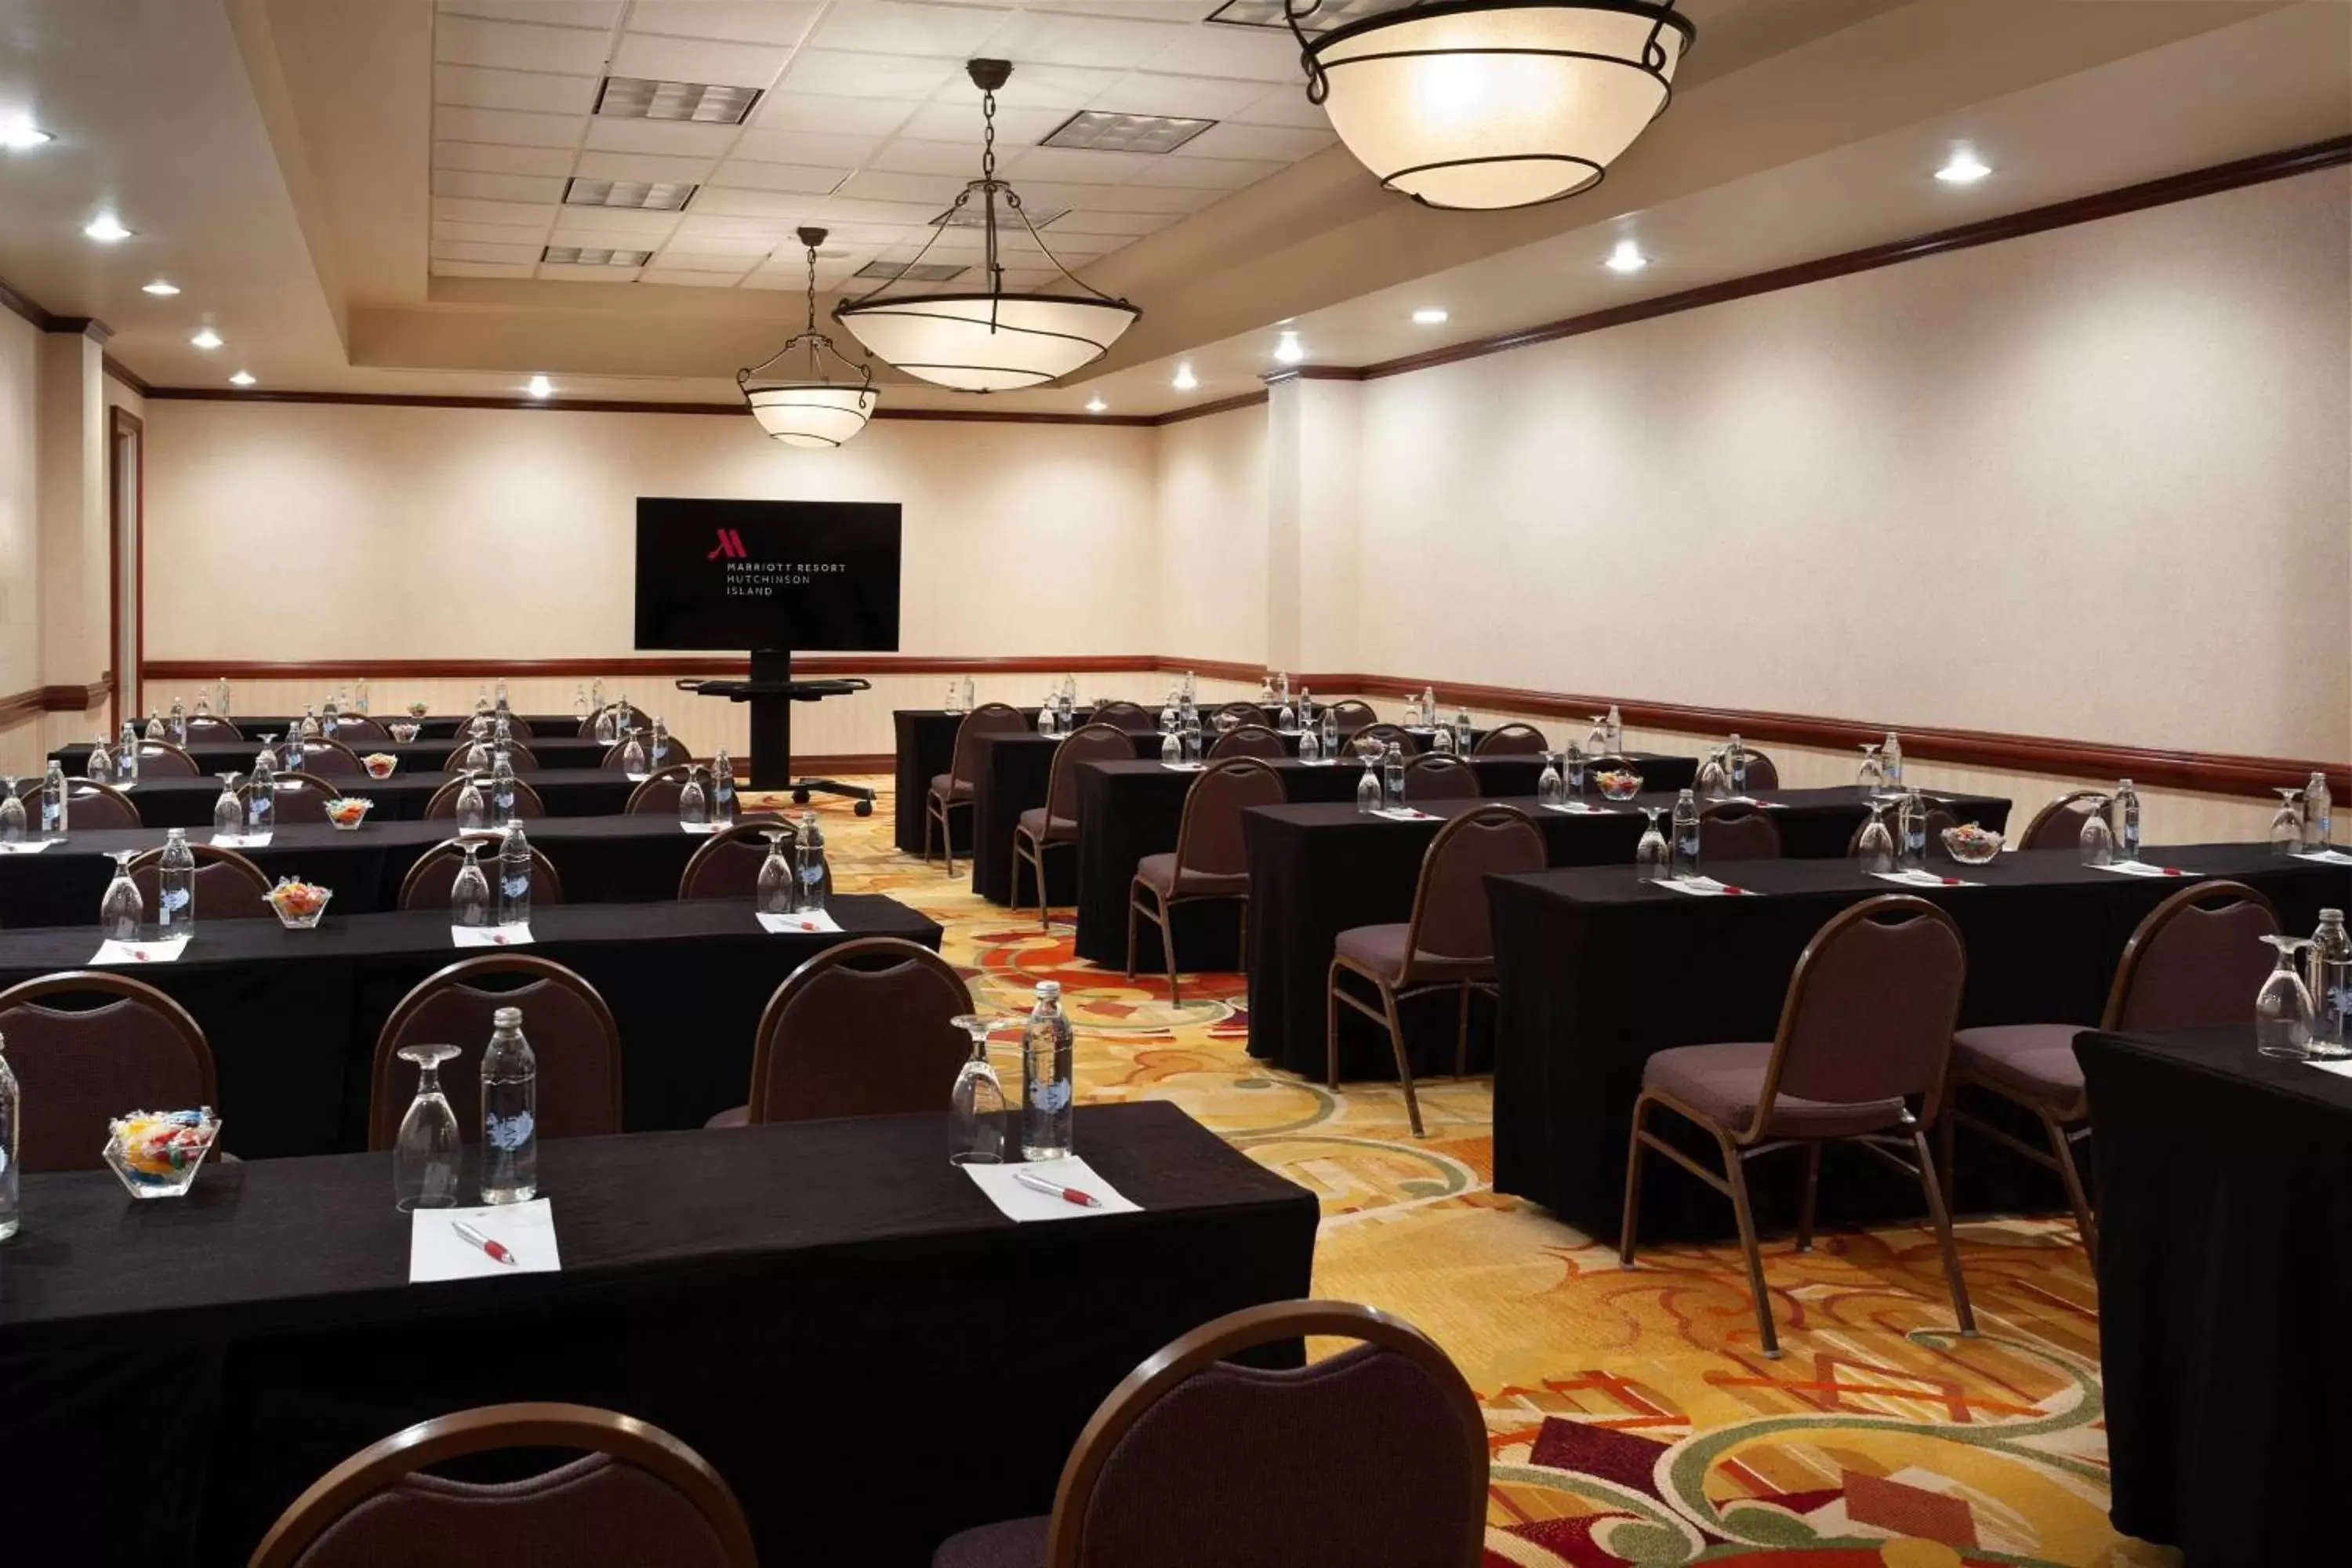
82	1066
1387	735
1512	739
1056	823
1439	776
203	727
518	726
298	797
570	1028
443	807
1128	717
428	882
672	750
1446	944
358	730
1940	817
1865	1029
960	785
1732	830
519	757
2059	825
167	760
636	1494
1352	714
326	758
1208	861
1376	1455
2195	960
631	715
864	1028
88	804
1243	712
657	793
727	864
1253	738
1762	774
228	886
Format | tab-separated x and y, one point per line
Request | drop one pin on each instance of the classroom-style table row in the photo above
1317	869
417	756
1598	970
292	1016
165	802
788	1300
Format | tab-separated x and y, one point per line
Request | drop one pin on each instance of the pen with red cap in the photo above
497	1250
1036	1182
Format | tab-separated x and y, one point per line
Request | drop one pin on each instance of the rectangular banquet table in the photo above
926	749
1316	870
165	801
624	859
417	756
292	1016
1129	810
2224	1182
810	1306
1598	970
436	727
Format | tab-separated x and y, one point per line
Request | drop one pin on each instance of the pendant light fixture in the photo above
987	340
1480	104
813	410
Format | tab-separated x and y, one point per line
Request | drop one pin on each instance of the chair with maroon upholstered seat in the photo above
960	785
1512	740
1055	825
1208	862
80	1067
228	886
657	793
2059	825
1250	740
726	865
865	1029
1350	714
212	727
1865	1030
166	760
1448	944
89	803
2197	959
1127	717
444	803
328	759
570	1028
433	874
1733	830
1439	776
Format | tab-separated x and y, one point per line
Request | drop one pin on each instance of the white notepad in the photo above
1405	814
780	924
1703	887
1184	767
435	1250
490	936
2141	868
163	952
698	827
241	840
1581	808
29	846
1921	879
1021	1203
2324	857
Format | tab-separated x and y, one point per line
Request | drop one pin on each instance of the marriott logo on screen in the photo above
730	547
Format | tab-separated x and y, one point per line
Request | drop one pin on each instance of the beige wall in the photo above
20	618
1210	582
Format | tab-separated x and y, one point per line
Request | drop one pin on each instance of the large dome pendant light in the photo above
1481	104
989	342
815	411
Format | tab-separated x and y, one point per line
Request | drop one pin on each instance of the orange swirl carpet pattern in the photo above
1630	1417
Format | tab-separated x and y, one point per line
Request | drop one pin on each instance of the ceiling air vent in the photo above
1092	131
594	255
922	272
969	216
636	98
654	195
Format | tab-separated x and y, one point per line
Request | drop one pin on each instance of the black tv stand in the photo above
771	691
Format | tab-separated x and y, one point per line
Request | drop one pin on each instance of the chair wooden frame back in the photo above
442	806
324	787
171	749
742	830
672	777
383	1465
85	789
544	880
383	1114
120	988
849	955
1184	825
2144	937
152	860
2027	840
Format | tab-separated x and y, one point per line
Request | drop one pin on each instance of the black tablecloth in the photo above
1598	970
1129	810
2225	1206
292	1016
1316	870
568	792
417	756
601	860
828	1313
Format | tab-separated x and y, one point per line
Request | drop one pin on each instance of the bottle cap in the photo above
1048	990
2331	914
507	1018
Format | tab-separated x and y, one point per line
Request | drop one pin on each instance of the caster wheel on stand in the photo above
800	797
865	808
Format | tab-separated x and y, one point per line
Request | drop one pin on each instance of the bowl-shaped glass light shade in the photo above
984	342
812	413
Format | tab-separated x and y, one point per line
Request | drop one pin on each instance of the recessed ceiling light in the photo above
913	272
539	386
1432	317
160	288
641	98
1095	405
1963	168
1185	380
654	195
207	337
242	378
1626	258
20	133
1096	130
1287	349
106	229
593	255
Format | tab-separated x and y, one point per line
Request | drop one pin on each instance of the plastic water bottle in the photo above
1736	760
499	708
1890	759
221	707
1310	745
11	1113
810	854
2125	808
502	790
469	806
1574	781
1616	731
1392	775
1684	864
596	693
126	756
509	1112
1330	727
1046	1091
175	888
359	700
179	722
261	793
967	693
1462	730
1192	736
1171	747
722	789
514	879
2329	982
1911	832
580	702
2317	810
53	802
1429	706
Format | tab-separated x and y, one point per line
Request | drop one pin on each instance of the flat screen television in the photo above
765	576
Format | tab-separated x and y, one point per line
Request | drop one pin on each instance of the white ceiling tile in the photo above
705	226
632	228
514	214
688	278
1186	11
558	13
787	109
892	26
1204	173
1134	197
474	88
486	158
847	209
495	187
806	147
1191	97
1074	164
475	251
794	277
507	127
676	138
741	175
694	59
935	191
1037	86
868	236
565	272
1279	143
1066	40
905	155
479	269
514	46
951	121
602	166
1248	53
714	255
1093	220
738	21
1285	106
849	75
718	201
489	233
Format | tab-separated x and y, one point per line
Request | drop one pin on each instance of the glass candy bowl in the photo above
1618	783
1971	845
403	733
299	905
348	811
156	1152
379	764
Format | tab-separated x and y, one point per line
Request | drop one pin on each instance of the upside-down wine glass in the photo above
1873	772
1650	860
2284	1013
777	882
269	756
976	1127
633	755
1875	849
119	910
2286	827
228	816
693	800
426	1156
1548	785
2098	839
470	891
12	813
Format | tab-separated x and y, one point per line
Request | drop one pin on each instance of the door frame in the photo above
123	425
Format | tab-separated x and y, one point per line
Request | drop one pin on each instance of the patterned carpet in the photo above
1630	1417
